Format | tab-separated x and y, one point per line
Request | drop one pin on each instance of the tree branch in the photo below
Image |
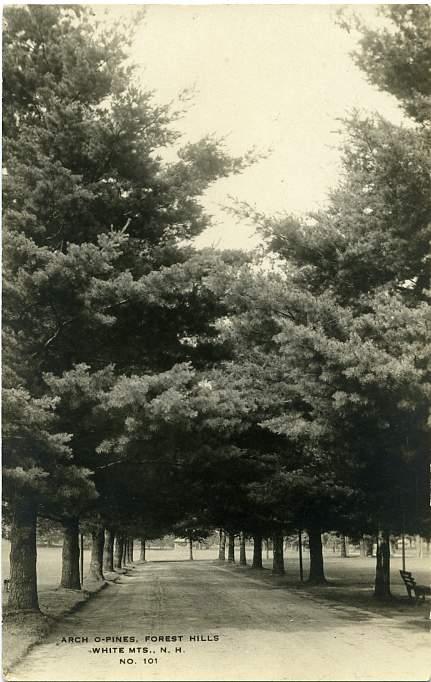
64	324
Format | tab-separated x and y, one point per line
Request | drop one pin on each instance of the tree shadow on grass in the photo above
349	601
342	599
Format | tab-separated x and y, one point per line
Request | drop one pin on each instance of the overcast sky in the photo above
271	76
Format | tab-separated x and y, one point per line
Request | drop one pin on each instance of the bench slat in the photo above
419	590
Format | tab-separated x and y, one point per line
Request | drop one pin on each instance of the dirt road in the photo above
198	621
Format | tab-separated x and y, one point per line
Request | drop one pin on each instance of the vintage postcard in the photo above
216	331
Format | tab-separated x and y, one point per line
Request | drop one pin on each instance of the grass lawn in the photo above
351	583
48	564
21	632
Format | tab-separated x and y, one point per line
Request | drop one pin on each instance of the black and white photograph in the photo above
216	355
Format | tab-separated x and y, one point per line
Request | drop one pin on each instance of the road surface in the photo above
184	620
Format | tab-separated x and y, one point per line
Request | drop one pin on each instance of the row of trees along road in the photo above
149	387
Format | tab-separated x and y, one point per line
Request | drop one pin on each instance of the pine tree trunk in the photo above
316	575
70	574
124	556
278	558
257	552
222	546
190	549
301	563
23	578
118	552
96	561
343	547
370	544
131	551
382	585
143	550
108	551
242	554
231	548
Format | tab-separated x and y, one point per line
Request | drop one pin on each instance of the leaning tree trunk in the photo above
108	551
23	578
222	546
70	578
118	552
382	585
190	549
278	558
96	561
231	548
317	575
143	550
242	555
257	552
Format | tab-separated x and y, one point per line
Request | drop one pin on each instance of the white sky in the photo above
271	76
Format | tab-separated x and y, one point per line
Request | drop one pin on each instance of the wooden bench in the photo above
414	590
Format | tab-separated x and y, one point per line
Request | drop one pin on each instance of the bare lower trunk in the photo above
131	550
231	548
127	559
70	574
108	551
222	546
242	555
96	561
278	558
118	552
190	549
343	547
301	563
317	575
23	579
257	551
362	548
419	546
143	550
124	556
382	585
368	543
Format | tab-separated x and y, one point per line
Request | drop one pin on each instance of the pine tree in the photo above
94	229
354	350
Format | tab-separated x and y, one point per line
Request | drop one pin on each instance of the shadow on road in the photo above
264	602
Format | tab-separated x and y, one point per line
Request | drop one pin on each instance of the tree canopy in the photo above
150	386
